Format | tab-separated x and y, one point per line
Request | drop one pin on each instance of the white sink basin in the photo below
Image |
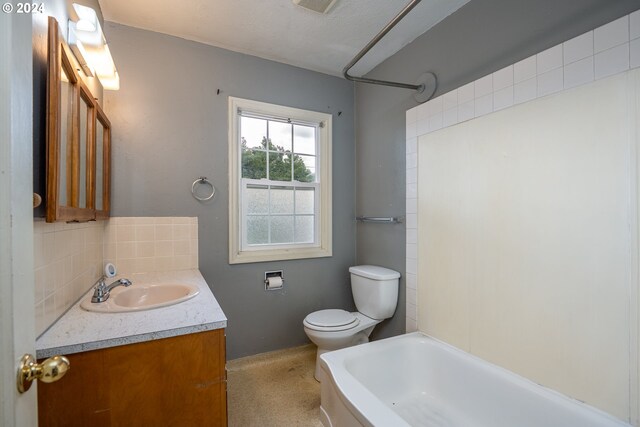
142	297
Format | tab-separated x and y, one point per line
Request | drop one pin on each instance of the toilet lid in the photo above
331	318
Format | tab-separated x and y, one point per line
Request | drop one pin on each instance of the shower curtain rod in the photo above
427	83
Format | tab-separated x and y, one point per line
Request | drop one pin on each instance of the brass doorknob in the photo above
48	371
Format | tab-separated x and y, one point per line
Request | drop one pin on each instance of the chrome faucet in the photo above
101	290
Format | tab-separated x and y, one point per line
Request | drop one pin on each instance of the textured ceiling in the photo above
281	31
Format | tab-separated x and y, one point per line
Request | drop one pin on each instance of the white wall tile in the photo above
525	69
550	82
411	266
466	93
412	296
412	145
411	206
483	86
422	112
483	105
411	325
578	73
611	34
525	91
412	220
412	281
412	191
567	65
612	61
412	175
466	111
503	78
412	160
634	54
450	117
412	311
434	106
412	250
634	25
412	233
450	100
422	126
549	59
410	130
503	98
435	122
411	115
578	48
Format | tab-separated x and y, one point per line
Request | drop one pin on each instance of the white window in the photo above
280	182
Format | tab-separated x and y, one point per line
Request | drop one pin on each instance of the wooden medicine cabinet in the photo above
78	155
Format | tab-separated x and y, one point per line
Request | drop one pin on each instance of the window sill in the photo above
278	255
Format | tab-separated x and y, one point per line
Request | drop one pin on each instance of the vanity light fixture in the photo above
90	47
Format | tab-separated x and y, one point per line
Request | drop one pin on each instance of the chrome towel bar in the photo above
381	219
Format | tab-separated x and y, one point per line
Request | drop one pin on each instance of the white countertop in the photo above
79	330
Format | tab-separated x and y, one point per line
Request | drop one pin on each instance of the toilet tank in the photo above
375	290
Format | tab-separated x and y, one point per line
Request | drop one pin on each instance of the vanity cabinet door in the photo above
178	381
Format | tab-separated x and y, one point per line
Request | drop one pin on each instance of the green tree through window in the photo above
254	163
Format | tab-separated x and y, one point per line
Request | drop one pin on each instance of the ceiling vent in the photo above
319	6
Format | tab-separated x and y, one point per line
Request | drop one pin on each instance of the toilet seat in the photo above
331	320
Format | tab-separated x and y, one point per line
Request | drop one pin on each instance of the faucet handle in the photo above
101	282
100	292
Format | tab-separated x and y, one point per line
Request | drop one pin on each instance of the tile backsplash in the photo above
69	258
148	244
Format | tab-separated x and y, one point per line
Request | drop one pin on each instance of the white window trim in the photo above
272	253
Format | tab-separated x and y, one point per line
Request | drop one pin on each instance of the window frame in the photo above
238	250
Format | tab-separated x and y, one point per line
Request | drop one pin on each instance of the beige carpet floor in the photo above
274	389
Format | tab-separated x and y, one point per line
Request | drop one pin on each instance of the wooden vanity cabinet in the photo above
177	381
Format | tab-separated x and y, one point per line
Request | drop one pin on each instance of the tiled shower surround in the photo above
69	258
610	49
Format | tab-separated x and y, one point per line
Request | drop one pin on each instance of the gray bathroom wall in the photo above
480	38
170	127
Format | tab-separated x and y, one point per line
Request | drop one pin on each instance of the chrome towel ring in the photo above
202	180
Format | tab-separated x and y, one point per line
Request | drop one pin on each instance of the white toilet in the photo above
375	292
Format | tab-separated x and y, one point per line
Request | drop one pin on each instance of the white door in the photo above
17	320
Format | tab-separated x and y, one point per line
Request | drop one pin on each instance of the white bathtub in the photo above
415	380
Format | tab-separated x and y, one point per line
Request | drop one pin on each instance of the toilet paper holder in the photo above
272	285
